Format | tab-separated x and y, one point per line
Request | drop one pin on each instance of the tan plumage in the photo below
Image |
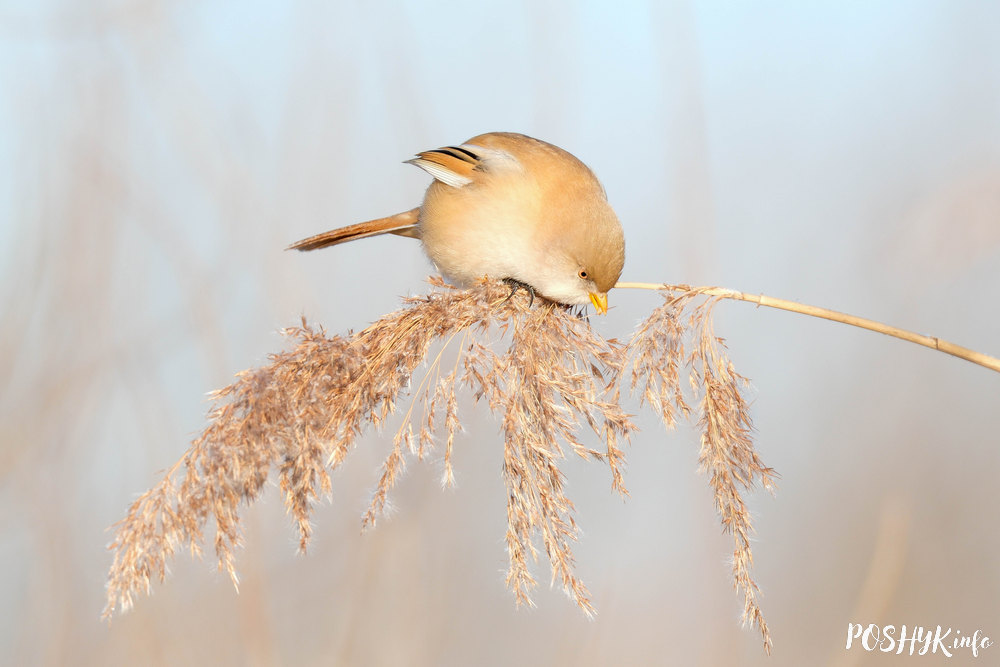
403	224
509	206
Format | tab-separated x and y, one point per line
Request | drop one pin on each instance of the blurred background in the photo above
156	158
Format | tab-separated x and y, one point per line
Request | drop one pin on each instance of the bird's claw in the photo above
516	285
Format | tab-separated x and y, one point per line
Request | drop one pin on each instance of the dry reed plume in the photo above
551	378
660	351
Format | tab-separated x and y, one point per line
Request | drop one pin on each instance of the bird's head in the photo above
585	258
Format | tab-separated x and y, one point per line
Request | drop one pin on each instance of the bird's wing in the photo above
458	166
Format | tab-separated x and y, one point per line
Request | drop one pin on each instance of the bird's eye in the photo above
583	274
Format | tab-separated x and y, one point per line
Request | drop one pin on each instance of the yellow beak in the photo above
600	301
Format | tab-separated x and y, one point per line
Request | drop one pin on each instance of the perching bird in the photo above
510	207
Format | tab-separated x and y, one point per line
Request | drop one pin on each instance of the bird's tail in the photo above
402	224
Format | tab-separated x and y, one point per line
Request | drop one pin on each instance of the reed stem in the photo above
932	342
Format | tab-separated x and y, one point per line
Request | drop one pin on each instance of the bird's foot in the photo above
516	285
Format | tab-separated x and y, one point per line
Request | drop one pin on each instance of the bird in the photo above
510	207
